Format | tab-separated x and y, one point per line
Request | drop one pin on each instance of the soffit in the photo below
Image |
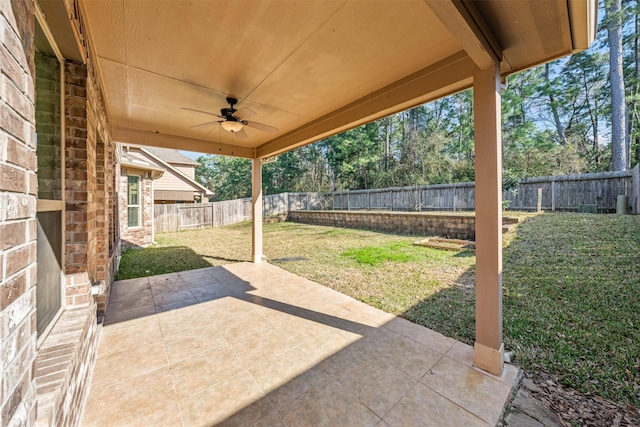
298	64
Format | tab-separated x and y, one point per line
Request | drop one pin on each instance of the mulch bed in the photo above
578	409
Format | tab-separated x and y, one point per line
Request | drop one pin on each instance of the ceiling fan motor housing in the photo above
227	112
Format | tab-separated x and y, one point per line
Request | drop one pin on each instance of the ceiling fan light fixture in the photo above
231	126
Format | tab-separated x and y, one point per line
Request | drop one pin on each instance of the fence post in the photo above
635	184
553	195
348	201
391	197
454	198
368	200
539	204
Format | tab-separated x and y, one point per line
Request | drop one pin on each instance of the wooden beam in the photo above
462	19
445	77
584	23
143	137
488	348
256	211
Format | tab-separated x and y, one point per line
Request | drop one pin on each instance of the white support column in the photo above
488	348
256	211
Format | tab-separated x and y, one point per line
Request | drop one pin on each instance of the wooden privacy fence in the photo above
568	192
196	215
559	193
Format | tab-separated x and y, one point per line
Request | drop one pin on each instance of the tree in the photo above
227	177
613	9
553	104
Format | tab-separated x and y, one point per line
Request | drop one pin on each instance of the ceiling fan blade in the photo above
203	112
244	113
241	134
260	126
205	124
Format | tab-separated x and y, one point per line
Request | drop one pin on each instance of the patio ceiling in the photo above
309	68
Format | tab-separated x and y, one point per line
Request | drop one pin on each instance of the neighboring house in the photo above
177	184
136	185
150	175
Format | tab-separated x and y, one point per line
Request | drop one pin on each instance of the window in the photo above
133	201
49	112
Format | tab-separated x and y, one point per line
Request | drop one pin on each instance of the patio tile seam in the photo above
444	353
345	386
399	400
247	367
155	370
137	375
238	374
215	347
420	383
175	390
407	336
453	399
405	371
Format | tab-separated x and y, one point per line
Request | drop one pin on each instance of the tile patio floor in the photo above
249	344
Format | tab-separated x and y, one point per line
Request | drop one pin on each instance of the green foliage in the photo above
228	177
566	313
165	258
375	255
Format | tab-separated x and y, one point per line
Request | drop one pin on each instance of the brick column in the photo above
80	185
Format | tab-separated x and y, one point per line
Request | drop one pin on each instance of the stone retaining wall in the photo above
414	223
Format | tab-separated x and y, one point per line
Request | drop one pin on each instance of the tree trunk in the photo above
554	107
636	87
387	144
618	103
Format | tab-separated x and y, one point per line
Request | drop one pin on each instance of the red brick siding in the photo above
17	214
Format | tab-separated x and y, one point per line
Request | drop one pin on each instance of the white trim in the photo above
172	169
46	205
45	333
49	34
139	205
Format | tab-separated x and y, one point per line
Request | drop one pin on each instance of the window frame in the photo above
52	205
138	205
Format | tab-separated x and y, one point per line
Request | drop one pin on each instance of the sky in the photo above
191	154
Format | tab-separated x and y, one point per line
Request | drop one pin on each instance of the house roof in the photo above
166	165
311	68
172	156
131	160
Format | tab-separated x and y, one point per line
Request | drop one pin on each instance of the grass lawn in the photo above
571	286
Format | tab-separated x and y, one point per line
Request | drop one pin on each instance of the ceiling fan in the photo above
234	120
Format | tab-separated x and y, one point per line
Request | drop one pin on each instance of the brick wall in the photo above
80	182
90	165
139	236
64	367
412	223
56	393
17	214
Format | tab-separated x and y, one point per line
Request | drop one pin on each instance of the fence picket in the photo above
559	193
